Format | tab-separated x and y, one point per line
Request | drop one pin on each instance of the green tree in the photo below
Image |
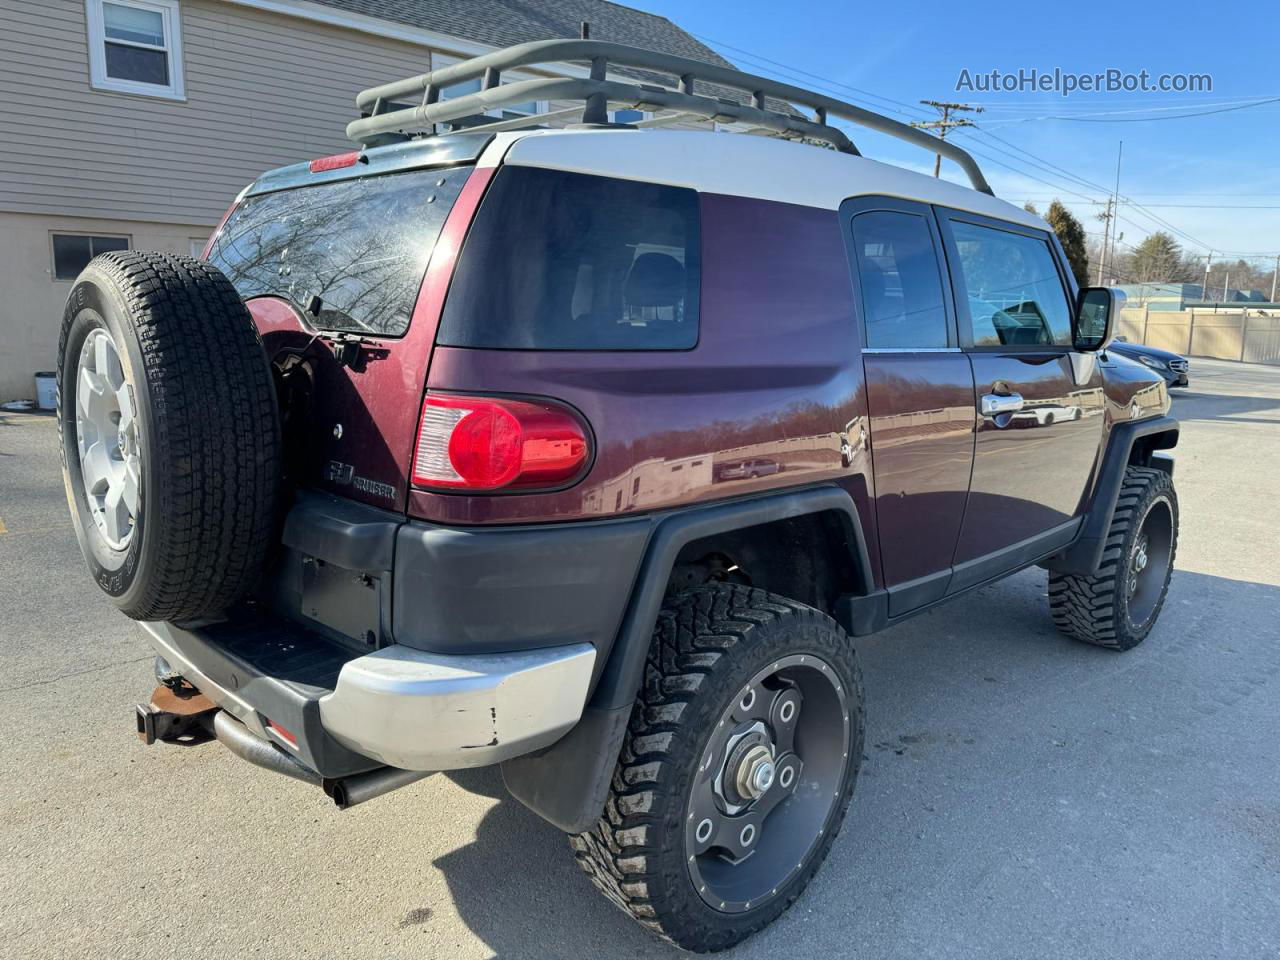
1157	259
1071	235
1031	208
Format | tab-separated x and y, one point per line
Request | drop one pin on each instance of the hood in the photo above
1126	349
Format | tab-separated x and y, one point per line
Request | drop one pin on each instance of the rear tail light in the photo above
486	443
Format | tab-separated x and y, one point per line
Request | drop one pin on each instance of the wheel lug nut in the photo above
763	777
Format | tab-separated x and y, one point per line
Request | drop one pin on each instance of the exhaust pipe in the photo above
348	791
235	736
344	792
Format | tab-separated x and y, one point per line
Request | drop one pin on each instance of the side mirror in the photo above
1097	310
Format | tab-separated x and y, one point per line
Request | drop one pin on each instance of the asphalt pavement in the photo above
1022	796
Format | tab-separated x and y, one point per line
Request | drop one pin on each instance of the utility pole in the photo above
1274	277
1226	279
1115	208
1105	217
946	123
1208	262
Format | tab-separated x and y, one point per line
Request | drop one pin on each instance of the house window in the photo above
73	251
135	46
509	112
197	247
628	116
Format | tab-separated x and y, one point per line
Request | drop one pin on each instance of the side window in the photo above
570	261
1012	288
901	286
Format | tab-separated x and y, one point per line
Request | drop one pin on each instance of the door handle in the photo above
993	405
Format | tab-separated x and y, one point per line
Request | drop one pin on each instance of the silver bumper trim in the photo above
425	711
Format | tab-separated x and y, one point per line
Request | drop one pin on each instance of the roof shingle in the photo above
502	23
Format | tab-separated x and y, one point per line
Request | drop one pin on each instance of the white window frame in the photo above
171	15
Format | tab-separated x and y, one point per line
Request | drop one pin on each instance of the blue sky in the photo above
1211	177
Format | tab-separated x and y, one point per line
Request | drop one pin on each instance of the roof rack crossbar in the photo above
596	92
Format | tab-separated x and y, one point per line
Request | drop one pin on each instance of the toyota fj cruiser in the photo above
450	453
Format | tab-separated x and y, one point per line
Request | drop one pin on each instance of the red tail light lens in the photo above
483	443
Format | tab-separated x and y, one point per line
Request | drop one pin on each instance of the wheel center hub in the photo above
755	773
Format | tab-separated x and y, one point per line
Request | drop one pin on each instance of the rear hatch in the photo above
343	263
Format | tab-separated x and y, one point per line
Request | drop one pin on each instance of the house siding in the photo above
263	90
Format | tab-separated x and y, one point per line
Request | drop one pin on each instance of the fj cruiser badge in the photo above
344	474
341	473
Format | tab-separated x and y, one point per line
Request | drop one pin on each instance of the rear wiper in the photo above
346	346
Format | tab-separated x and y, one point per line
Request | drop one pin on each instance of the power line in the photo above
945	125
913	109
1180	116
1039	162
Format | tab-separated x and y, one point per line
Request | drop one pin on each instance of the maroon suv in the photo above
587	451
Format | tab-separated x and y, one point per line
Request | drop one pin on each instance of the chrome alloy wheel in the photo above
107	440
768	780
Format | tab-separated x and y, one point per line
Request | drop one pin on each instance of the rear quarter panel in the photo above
775	375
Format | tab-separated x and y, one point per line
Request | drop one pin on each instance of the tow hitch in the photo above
175	714
179	713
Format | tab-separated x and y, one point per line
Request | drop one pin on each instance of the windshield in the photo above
360	246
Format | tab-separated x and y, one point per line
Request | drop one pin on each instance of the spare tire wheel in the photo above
169	433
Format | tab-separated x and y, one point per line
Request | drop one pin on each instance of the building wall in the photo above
263	90
31	301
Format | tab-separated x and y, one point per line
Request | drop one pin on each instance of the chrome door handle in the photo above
994	404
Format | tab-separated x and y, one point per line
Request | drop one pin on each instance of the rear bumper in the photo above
339	713
430	711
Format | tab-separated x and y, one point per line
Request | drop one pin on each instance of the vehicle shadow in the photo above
981	718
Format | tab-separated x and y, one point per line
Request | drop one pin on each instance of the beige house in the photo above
134	123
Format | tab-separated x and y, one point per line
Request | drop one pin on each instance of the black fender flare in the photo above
1157	433
567	783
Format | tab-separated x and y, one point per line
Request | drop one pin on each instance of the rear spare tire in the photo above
169	433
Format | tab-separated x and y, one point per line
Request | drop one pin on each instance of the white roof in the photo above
740	165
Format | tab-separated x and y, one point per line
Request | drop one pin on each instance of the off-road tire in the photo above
1096	609
705	643
208	429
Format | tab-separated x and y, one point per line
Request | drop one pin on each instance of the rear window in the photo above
567	261
361	246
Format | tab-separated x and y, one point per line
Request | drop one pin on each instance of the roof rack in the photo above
383	116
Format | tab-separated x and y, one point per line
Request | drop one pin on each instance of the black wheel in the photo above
169	434
1048	419
1117	607
737	768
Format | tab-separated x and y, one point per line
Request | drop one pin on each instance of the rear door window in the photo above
569	261
360	246
902	298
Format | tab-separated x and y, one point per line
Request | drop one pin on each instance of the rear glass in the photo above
567	261
361	246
